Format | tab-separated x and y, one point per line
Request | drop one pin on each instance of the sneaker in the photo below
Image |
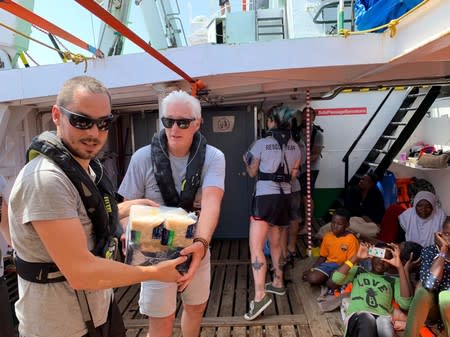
256	308
270	288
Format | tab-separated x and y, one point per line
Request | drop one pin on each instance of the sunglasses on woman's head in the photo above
183	123
83	122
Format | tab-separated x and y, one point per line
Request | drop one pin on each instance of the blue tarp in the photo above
374	13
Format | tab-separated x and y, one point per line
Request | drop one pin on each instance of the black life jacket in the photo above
282	137
315	128
98	197
163	171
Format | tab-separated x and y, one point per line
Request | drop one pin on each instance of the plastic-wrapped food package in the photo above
156	234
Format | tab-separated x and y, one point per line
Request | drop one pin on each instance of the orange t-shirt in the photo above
338	249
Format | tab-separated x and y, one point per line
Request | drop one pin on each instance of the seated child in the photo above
410	256
337	246
432	299
370	308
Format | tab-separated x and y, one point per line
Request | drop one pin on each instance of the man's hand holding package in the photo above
198	251
167	269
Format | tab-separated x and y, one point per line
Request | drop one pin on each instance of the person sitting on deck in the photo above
366	206
422	220
337	246
365	200
389	227
410	253
434	295
373	292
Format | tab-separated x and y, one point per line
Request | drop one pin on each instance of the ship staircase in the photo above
397	132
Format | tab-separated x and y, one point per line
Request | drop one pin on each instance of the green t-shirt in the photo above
372	292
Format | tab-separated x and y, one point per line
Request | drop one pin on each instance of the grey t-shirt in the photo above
318	142
43	192
268	151
140	182
295	184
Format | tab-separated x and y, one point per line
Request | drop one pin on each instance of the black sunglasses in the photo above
83	123
182	123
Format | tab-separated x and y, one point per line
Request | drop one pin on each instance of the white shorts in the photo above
159	299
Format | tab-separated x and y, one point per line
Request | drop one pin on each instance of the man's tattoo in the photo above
257	265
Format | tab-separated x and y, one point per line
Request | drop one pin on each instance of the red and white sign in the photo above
341	111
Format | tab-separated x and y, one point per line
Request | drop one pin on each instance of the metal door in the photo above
232	131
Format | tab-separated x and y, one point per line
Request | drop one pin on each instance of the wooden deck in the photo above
294	315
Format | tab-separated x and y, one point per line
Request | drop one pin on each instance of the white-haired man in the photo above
179	169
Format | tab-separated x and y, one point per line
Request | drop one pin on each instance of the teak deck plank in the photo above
294	315
272	331
288	331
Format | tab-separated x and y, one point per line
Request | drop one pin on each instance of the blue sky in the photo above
73	18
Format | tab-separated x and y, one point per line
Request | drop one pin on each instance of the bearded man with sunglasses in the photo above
179	169
60	225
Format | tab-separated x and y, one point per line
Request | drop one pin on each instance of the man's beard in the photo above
83	155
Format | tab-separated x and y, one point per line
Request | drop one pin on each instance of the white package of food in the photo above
156	234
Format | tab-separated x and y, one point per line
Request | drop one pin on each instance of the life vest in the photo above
315	128
98	198
282	137
163	171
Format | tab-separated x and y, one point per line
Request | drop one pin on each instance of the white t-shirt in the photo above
268	151
318	142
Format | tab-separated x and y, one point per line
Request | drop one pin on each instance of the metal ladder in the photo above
398	131
272	26
172	30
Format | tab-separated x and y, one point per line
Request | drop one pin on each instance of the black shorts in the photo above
272	208
114	326
223	2
302	181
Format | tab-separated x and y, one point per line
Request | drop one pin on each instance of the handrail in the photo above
181	27
391	25
363	131
113	22
331	4
168	17
392	83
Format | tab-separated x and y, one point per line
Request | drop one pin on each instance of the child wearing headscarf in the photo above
422	220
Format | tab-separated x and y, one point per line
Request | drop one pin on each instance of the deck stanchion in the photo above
308	206
340	17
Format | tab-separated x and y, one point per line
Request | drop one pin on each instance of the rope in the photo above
308	173
391	25
54	36
32	59
75	58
